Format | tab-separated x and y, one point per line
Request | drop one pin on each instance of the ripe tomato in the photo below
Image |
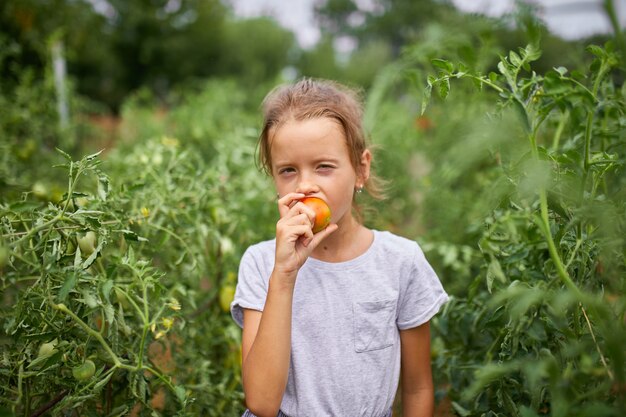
85	371
322	212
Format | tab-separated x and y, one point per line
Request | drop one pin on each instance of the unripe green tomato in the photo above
121	297
56	196
87	242
26	150
47	349
40	191
85	371
70	247
227	294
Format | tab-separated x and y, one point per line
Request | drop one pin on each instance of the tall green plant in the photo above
542	328
116	298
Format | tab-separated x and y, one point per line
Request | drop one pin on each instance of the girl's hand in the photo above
294	235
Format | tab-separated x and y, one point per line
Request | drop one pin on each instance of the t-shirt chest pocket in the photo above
374	325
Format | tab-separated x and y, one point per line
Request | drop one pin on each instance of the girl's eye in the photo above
283	171
325	167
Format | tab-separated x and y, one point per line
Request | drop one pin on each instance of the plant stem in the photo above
162	377
63	308
554	254
559	131
37	229
142	344
544	226
593	336
134	304
42	410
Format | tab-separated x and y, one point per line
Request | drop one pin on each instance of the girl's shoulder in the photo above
395	245
261	248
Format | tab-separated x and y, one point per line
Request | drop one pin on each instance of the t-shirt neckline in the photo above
343	265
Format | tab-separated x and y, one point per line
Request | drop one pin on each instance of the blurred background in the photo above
114	48
129	191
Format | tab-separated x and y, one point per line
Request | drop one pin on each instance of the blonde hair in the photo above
311	99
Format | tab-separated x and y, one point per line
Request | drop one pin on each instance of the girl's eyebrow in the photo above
325	158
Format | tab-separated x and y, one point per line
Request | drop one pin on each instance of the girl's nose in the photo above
307	187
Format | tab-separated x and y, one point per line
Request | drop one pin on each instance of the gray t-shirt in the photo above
345	347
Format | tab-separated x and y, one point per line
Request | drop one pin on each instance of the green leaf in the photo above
129	258
532	52
109	313
426	97
561	70
597	51
486	375
181	395
503	69
444	65
92	258
100	384
524	300
93	156
523	115
68	286
463	412
106	289
494	271
444	87
515	59
23	206
132	236
78	260
478	83
89	299
65	154
103	186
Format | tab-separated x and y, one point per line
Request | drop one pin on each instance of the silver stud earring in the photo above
359	190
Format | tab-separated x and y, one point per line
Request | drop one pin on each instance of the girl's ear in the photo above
364	168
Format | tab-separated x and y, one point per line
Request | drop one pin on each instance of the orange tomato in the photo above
322	212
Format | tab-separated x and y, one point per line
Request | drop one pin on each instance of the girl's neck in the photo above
352	239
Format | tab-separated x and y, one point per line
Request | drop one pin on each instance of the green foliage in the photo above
540	327
116	47
117	268
30	128
132	269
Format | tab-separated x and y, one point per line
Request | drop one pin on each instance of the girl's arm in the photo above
417	381
266	349
266	343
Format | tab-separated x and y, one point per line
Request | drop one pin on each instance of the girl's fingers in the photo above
286	202
318	237
296	220
290	204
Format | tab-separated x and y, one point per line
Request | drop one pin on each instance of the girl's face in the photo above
311	157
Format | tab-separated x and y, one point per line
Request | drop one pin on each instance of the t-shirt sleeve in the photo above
251	290
421	294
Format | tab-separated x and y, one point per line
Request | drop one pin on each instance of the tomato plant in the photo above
539	329
118	293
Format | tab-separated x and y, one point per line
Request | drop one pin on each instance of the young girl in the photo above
330	320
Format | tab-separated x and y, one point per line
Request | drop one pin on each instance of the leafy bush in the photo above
116	296
539	326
